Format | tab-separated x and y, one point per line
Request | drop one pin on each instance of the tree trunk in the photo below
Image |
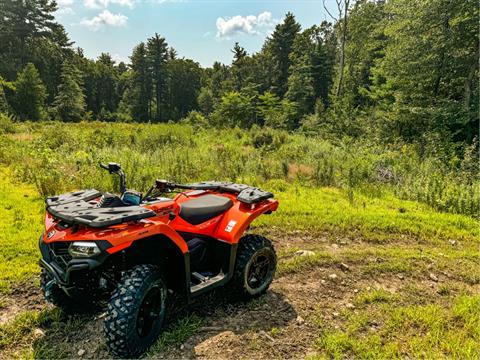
441	63
158	98
342	50
468	80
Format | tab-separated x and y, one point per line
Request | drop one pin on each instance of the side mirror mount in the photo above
114	168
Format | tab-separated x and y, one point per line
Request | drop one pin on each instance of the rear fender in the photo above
236	220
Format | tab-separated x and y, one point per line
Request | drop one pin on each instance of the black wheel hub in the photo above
149	311
260	269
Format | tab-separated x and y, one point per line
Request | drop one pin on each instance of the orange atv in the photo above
138	249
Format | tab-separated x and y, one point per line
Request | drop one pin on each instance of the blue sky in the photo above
202	30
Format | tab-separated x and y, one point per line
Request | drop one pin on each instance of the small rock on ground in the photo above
304	253
344	267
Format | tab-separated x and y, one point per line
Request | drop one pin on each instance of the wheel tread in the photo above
127	293
248	245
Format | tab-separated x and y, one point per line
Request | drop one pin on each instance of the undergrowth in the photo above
60	156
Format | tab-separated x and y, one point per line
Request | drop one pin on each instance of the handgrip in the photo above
103	166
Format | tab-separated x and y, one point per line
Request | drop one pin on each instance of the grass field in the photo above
361	272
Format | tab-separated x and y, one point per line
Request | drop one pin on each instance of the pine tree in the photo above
239	53
106	84
157	55
184	88
311	70
25	27
301	79
323	61
240	69
30	94
69	103
140	89
279	47
365	46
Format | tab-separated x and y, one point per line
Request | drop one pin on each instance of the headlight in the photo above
83	249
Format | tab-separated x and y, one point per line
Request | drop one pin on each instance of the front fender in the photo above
124	239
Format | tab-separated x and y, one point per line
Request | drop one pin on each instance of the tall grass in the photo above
56	157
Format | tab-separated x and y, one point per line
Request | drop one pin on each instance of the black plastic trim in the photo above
222	280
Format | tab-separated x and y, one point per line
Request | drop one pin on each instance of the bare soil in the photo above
284	323
25	296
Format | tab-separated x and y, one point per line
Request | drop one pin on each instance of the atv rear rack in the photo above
246	194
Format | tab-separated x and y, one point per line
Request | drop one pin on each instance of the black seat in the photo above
203	208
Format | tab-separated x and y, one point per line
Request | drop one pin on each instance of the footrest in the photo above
199	277
207	283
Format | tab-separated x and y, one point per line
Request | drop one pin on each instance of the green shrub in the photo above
57	157
6	124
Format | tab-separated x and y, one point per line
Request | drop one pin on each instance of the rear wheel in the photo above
255	266
136	311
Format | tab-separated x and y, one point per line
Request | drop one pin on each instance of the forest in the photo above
390	71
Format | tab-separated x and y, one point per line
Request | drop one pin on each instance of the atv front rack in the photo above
78	208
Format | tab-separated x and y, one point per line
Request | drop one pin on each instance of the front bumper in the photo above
60	276
64	269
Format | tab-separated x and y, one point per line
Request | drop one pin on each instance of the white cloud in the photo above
99	4
65	7
65	11
119	58
105	18
250	24
168	1
64	3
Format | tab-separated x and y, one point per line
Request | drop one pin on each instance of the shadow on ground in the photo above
211	320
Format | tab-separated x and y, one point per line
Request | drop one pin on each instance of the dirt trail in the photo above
279	324
284	323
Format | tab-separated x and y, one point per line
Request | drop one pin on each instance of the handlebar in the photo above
164	186
111	167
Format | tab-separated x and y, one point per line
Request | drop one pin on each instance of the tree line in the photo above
388	70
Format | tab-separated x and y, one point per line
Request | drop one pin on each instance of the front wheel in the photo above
83	302
136	311
255	266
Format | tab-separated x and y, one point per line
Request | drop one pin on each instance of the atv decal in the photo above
231	224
